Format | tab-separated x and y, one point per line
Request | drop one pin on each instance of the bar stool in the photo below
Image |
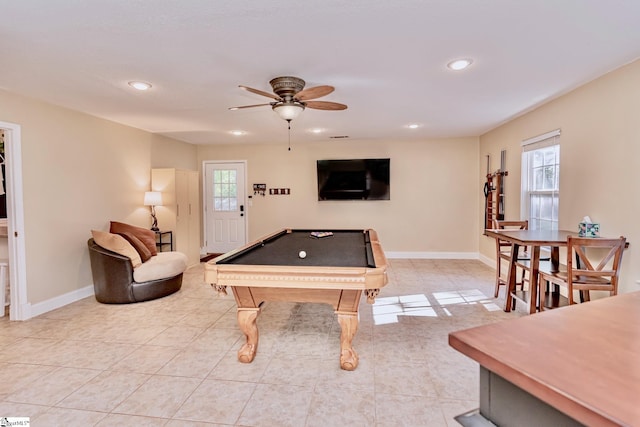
503	252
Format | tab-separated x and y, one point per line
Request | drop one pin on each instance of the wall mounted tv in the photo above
354	179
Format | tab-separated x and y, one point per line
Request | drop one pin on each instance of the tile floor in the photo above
172	362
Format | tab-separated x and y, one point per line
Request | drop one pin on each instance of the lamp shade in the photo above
153	198
288	110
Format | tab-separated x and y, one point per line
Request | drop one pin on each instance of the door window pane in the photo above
225	190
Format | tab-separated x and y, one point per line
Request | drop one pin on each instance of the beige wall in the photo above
79	172
170	153
434	191
599	156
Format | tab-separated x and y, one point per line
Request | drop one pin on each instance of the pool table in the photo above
336	270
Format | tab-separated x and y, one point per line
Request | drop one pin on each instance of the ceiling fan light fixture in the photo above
288	110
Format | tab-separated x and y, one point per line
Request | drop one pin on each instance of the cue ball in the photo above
302	254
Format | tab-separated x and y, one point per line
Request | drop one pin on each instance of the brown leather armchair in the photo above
113	279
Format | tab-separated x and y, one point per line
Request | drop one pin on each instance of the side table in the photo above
164	239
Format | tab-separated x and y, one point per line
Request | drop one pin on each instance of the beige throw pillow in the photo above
147	237
139	246
117	244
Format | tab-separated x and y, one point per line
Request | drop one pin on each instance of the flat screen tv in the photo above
354	179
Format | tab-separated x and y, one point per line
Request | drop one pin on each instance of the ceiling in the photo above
387	60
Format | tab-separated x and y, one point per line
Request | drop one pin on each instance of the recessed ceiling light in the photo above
237	132
140	85
413	126
459	64
316	130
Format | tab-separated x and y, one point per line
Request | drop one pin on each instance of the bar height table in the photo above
536	239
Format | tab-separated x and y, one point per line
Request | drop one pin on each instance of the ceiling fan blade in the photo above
247	106
259	92
314	92
324	105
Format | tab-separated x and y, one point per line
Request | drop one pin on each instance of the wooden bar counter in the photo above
580	362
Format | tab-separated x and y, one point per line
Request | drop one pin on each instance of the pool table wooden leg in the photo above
247	323
348	356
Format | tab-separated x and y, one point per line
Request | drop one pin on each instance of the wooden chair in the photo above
598	272
503	253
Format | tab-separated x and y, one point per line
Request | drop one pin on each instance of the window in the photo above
541	181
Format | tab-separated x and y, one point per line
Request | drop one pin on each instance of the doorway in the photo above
19	308
225	215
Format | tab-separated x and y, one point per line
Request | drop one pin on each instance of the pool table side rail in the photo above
246	248
296	277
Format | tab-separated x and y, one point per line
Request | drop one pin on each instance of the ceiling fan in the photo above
291	98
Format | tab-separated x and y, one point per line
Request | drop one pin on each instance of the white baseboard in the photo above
60	301
489	261
432	255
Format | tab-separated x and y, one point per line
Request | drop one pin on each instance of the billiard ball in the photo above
302	254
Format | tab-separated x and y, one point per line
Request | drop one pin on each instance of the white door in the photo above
20	309
225	216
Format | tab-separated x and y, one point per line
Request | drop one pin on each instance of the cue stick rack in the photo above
494	192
